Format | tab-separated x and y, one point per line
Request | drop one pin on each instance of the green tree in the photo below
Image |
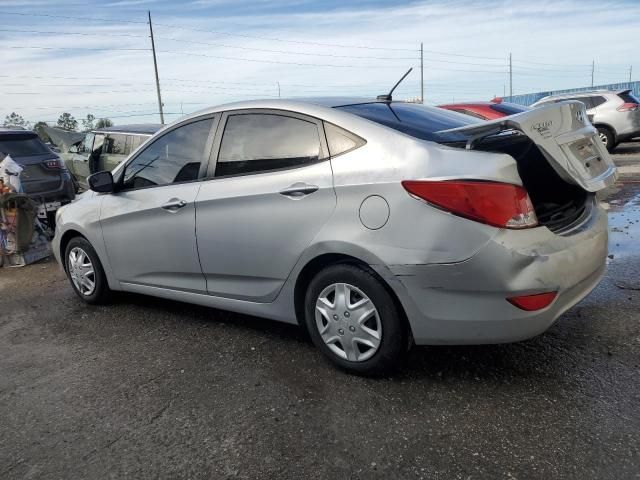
67	122
39	129
104	123
87	123
15	120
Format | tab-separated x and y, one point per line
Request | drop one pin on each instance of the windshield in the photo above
416	120
21	145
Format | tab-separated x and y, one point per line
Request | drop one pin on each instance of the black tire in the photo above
101	292
606	135
394	337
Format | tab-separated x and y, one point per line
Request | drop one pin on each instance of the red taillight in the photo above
53	163
531	303
499	204
628	107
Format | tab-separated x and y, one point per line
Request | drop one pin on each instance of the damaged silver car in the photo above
373	224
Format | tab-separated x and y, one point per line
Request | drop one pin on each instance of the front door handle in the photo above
174	205
299	190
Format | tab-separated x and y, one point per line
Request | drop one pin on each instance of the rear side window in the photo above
588	102
508	108
598	101
19	145
258	142
419	121
340	140
115	144
628	97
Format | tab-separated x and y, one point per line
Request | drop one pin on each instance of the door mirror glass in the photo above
101	182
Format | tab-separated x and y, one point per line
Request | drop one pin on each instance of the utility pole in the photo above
630	70
155	67
421	73
278	89
593	68
510	78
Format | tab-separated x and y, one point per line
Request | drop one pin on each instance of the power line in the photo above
94	19
284	51
75	33
78	48
272	39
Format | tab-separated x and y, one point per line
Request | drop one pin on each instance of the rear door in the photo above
149	224
269	192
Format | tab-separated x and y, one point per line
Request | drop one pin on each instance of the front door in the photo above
149	224
270	194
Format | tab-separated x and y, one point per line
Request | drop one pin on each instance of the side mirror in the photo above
101	182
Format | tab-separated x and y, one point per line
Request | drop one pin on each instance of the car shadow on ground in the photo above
543	356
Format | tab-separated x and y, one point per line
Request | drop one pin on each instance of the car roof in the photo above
585	93
140	128
16	130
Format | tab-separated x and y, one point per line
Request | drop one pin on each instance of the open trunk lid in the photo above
565	137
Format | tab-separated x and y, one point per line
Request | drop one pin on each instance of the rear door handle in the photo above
174	205
299	190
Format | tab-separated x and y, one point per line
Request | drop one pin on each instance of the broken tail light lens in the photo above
628	107
531	303
494	203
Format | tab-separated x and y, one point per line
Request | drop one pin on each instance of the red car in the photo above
496	108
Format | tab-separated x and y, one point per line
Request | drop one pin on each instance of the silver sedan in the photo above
373	224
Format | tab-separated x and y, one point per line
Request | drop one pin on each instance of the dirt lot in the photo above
146	388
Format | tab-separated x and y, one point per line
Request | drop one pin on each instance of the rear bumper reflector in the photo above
531	303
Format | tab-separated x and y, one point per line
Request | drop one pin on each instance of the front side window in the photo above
86	146
259	142
174	157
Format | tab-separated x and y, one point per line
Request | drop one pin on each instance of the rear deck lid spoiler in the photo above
564	135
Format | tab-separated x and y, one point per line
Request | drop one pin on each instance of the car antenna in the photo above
387	97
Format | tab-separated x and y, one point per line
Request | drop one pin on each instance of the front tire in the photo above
354	320
85	272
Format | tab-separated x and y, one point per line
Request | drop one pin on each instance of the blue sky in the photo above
94	56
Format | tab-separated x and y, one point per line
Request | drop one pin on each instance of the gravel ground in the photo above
146	388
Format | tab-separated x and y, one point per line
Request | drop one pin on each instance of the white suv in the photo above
616	114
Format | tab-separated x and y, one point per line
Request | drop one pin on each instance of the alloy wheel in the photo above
81	271
604	138
348	322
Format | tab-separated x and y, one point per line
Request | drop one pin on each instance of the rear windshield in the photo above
628	97
413	119
508	108
21	145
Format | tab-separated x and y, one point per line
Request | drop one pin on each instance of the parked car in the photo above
616	114
44	177
374	224
496	108
105	148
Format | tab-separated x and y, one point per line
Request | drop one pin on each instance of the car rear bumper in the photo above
465	302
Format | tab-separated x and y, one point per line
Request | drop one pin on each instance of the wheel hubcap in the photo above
603	137
348	322
81	271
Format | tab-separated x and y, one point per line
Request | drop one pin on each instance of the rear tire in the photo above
354	320
607	138
85	272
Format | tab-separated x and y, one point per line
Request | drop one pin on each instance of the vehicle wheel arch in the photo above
318	263
64	241
608	127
